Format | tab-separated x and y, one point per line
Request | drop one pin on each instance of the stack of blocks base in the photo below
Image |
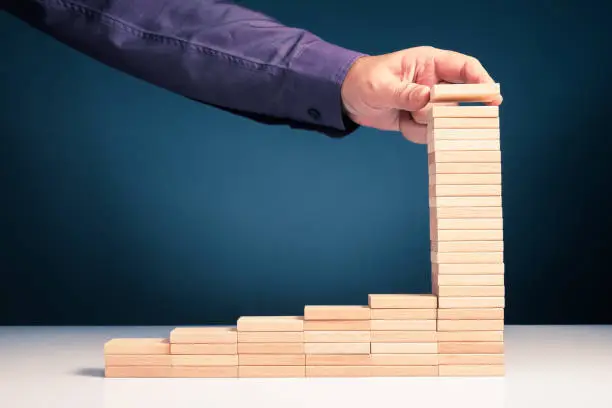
457	330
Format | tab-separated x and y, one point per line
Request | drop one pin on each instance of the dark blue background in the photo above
121	203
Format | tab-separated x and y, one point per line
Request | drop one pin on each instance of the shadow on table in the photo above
90	372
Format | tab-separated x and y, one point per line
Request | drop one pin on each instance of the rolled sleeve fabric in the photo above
212	51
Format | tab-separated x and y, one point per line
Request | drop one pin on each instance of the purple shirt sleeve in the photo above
212	51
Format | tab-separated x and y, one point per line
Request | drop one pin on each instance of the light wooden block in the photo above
138	371
462	145
271	371
404	314
472	371
471	314
204	335
464	123
270	348
467	223
204	360
465	212
488	201
471	302
389	301
464	167
337	348
138	360
334	325
393	336
465	179
470	325
471	359
404	348
340	336
471	347
270	323
467	246
466	235
482	156
338	359
137	346
450	111
336	313
271	337
471	336
228	348
464	92
337	371
470	269
486	291
404	359
467	257
404	325
205	372
272	359
462	134
470	280
404	371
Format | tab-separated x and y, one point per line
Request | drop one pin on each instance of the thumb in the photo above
411	97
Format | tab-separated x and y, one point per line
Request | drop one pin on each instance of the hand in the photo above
391	91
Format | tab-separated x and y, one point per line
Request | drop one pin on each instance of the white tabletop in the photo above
62	367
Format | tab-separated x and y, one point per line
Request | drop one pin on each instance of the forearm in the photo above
208	50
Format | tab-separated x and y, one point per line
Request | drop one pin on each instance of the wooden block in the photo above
138	371
337	348
481	156
465	212
471	336
336	313
325	325
405	325
472	371
464	168
480	347
404	314
464	123
137	360
404	371
464	93
204	335
471	359
205	372
272	359
228	348
466	235
204	360
337	371
468	223
137	346
338	359
393	336
462	145
467	258
471	314
450	111
470	325
476	291
471	302
340	336
488	201
271	337
471	269
271	371
385	301
470	280
467	246
465	179
404	348
462	134
271	324
404	359
270	348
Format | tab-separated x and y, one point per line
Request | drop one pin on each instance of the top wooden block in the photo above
442	111
204	335
137	346
271	324
402	301
336	313
464	92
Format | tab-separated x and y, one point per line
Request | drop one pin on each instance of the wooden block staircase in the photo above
457	330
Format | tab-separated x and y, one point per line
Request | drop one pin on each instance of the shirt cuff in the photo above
312	89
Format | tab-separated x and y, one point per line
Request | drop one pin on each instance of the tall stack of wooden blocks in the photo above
467	230
457	330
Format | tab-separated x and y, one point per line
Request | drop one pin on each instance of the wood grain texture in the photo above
465	212
404	314
401	336
464	123
271	371
337	371
471	314
272	359
146	346
404	325
471	280
450	111
337	348
404	371
467	246
404	359
476	291
465	179
138	360
270	323
467	257
471	336
465	92
205	372
270	337
204	335
270	348
404	348
324	325
468	167
471	359
467	223
402	301
338	359
471	347
204	360
340	336
462	134
138	372
462	145
336	313
470	325
470	269
466	235
471	302
488	201
472	371
458	156
229	348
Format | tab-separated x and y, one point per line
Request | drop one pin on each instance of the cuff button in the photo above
314	113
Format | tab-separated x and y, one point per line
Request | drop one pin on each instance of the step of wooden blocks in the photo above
133	358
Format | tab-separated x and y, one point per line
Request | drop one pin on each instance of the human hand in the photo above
391	91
